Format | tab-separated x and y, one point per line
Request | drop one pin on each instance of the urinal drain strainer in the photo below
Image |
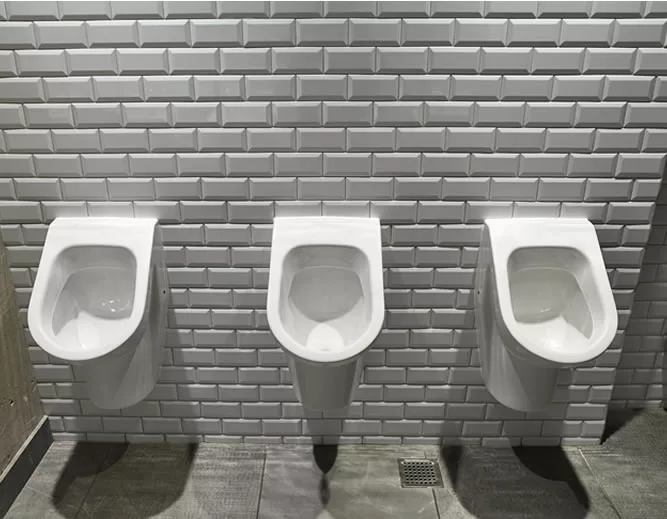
419	472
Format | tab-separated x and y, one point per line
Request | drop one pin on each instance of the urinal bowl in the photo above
100	304
539	308
326	309
511	376
325	304
128	374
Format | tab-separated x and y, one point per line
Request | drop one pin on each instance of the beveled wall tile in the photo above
215	117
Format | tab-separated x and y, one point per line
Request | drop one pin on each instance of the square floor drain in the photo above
419	472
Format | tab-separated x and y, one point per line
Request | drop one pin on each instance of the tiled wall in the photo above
641	378
433	116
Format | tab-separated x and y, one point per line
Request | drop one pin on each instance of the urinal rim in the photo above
604	331
363	241
134	242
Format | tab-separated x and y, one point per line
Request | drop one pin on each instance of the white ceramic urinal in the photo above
325	302
100	302
542	301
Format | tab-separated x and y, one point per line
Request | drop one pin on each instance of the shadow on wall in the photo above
616	420
515	482
324	427
157	475
641	378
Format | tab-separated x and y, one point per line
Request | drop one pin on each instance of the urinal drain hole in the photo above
418	472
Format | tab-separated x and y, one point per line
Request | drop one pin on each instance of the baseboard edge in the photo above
23	464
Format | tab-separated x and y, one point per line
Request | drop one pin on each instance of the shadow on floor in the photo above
325	433
635	432
145	479
630	465
517	482
78	467
325	458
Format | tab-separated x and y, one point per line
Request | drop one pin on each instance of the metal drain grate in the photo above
419	472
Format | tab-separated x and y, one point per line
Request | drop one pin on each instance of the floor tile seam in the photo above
600	485
635	453
90	487
74	509
435	503
427	453
261	483
36	491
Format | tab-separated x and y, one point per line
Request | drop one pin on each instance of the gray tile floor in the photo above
626	477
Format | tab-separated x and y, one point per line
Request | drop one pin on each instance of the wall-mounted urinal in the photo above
100	302
325	302
542	301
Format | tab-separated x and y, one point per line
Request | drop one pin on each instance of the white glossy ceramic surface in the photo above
100	301
325	301
543	301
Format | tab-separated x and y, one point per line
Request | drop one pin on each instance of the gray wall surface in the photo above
218	116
